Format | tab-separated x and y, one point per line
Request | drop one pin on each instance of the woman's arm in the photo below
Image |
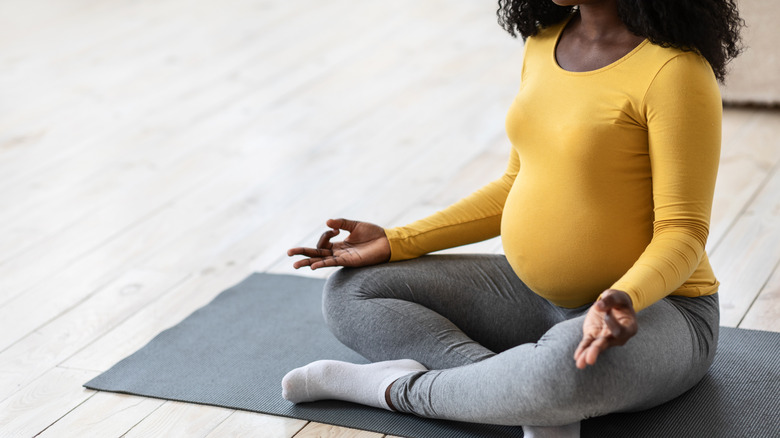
474	218
684	112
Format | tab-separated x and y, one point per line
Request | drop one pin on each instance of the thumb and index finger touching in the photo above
614	299
342	224
335	225
616	324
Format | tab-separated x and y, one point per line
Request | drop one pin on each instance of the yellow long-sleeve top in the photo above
609	183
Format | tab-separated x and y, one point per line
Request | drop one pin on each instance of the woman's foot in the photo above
335	380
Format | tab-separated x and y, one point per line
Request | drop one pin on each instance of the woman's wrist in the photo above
621	297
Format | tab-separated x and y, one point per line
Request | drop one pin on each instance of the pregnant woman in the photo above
605	300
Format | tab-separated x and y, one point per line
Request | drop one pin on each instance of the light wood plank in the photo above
764	312
738	180
748	255
175	419
735	121
489	165
319	430
143	325
250	424
749	155
45	348
39	404
105	414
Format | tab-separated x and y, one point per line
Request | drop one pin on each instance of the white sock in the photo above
335	380
568	431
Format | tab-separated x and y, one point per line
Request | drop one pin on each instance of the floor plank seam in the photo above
165	402
233	411
746	206
305	425
761	291
64	415
64	367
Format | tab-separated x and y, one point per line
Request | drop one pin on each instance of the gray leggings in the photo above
500	354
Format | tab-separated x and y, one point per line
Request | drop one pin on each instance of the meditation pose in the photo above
605	300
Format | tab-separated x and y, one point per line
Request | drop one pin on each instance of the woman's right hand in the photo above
366	245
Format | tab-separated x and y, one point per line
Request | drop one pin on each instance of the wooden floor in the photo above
155	152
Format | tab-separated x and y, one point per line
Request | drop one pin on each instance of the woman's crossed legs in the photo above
497	352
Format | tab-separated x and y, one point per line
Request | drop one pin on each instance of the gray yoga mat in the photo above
234	351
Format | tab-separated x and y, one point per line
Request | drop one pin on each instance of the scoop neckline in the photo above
609	66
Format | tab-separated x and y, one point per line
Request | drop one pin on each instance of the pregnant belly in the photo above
569	249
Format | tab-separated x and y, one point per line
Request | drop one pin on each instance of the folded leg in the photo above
538	384
442	311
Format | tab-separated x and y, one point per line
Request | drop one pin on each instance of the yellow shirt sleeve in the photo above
684	111
472	219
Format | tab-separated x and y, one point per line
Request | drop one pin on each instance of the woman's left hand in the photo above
610	321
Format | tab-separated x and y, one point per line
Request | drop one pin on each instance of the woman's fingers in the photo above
592	353
579	356
296	251
327	262
310	252
366	245
587	354
615	329
303	262
611	321
591	346
319	262
317	258
589	349
342	224
615	299
586	341
316	262
324	242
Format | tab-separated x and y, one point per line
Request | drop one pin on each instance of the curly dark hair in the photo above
709	27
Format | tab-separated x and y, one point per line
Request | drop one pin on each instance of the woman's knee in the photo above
551	394
559	392
334	296
343	292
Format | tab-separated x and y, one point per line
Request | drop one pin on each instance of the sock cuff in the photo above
383	389
389	380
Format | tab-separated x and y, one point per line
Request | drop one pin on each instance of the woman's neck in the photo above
599	21
594	38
